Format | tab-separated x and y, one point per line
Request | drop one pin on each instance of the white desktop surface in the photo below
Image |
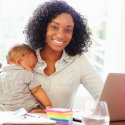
7	118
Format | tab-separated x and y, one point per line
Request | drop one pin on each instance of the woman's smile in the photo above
59	43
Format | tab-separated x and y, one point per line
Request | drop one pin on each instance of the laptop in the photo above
114	94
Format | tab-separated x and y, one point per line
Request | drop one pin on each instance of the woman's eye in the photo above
68	30
54	27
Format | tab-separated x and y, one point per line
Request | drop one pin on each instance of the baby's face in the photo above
29	61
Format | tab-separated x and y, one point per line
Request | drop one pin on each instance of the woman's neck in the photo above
49	55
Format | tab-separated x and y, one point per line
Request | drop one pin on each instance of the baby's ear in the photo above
18	60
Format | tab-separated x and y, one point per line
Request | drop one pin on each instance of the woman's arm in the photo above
90	78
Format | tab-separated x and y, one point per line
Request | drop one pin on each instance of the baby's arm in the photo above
41	96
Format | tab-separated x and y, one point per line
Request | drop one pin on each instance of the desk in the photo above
75	123
79	123
44	115
111	123
117	123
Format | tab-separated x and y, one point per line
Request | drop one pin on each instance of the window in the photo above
15	14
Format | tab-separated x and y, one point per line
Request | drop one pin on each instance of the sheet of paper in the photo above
8	117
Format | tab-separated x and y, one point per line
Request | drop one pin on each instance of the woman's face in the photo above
59	32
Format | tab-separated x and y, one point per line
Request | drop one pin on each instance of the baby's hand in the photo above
47	107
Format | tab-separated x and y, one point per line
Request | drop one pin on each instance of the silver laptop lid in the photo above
114	94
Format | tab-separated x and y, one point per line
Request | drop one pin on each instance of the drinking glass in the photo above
96	113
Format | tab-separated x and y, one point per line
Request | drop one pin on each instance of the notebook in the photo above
114	94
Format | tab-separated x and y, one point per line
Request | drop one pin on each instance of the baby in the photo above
18	86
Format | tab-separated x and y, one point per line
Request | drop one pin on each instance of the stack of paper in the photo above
62	116
21	117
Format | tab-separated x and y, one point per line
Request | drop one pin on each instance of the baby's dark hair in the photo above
18	50
36	29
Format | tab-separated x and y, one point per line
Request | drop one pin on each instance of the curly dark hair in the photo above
36	28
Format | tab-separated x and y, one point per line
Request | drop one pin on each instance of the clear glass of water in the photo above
96	113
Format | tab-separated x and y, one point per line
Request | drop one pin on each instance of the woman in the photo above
60	37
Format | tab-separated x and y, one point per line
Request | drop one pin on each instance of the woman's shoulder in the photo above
83	60
81	57
69	58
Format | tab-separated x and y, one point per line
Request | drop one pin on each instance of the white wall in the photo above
115	49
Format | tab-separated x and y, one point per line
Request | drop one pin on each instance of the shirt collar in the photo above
65	57
38	56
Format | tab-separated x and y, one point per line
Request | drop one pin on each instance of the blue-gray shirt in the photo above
15	86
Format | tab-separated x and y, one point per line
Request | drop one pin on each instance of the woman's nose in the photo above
60	34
